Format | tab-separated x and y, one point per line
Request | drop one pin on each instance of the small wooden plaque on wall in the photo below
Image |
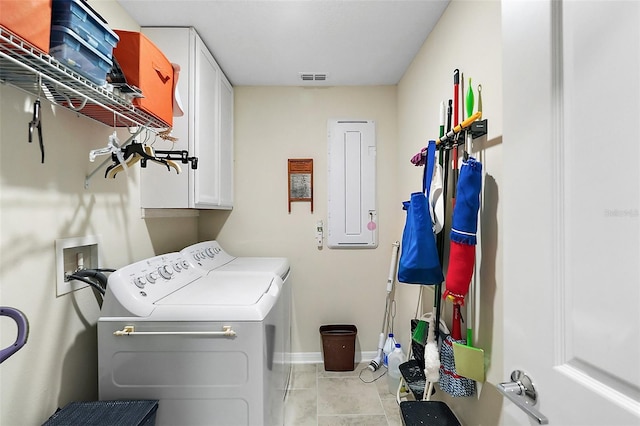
300	181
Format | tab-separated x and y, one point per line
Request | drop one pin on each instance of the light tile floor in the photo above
325	398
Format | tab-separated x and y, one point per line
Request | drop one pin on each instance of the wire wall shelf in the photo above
27	68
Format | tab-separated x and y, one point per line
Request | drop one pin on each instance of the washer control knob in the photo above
152	277
209	252
165	272
185	264
140	282
177	266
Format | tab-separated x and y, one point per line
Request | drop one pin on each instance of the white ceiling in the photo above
270	42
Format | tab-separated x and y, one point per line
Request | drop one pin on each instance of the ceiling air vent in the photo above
310	76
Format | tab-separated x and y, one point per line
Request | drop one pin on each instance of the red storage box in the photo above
146	67
28	19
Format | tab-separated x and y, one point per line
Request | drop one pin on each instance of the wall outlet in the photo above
72	254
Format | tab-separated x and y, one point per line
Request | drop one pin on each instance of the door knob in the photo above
520	391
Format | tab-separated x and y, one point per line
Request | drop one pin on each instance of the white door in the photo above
571	208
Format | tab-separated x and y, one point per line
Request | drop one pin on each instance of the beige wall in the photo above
40	203
273	124
467	37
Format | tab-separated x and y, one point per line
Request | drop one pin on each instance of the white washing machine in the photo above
205	344
209	256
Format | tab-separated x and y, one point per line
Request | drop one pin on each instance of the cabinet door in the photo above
206	128
226	143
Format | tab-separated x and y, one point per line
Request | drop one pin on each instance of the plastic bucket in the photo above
339	347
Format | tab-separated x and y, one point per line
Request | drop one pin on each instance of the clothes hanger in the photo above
119	166
123	158
166	135
182	156
166	161
137	152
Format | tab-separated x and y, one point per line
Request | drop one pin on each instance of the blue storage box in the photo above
86	23
69	49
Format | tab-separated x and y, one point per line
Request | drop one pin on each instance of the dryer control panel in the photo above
135	288
207	255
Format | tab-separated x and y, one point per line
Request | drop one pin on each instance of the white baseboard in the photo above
316	357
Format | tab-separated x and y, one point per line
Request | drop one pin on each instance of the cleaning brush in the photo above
420	332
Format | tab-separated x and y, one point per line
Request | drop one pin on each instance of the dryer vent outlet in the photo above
73	254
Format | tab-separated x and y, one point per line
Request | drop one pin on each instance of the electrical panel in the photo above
352	220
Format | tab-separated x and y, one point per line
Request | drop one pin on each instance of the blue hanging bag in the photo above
419	261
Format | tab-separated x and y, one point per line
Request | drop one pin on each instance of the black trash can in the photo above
339	347
106	413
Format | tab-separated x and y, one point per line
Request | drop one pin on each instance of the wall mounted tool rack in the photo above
412	371
475	130
25	67
472	126
457	135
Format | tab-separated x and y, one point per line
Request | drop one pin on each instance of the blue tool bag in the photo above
419	261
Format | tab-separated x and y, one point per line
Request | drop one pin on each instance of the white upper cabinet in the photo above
205	130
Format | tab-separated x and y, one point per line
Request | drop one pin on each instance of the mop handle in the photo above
456	118
456	96
392	266
443	118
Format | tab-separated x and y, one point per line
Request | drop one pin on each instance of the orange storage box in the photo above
146	67
28	19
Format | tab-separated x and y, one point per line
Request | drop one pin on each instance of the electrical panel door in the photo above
352	216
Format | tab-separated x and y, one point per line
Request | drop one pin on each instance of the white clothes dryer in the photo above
209	257
204	345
